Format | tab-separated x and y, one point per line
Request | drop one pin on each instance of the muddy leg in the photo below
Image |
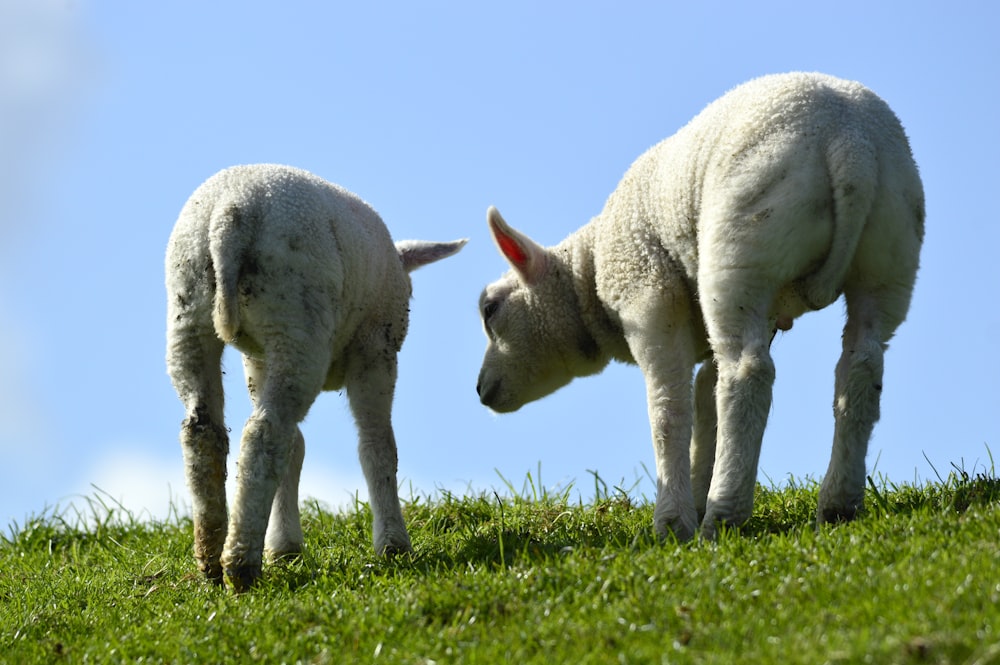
195	369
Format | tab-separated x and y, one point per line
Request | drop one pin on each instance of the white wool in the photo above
303	278
780	196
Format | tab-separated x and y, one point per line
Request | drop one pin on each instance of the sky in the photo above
112	113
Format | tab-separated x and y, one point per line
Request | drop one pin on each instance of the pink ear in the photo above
526	257
510	249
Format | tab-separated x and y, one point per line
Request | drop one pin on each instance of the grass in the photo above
529	577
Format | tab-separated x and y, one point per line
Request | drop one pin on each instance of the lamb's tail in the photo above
227	244
853	168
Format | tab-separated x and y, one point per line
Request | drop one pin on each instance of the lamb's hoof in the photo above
676	528
284	555
394	551
242	578
212	570
837	515
391	550
713	525
709	531
392	541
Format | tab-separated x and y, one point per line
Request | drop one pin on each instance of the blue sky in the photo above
111	113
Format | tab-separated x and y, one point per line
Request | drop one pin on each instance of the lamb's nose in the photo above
486	391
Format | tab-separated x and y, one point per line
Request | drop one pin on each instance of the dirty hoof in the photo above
392	550
832	515
212	570
242	578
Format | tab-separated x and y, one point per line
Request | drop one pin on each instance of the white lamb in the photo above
782	195
303	278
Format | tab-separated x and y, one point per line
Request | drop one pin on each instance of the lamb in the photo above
777	198
303	278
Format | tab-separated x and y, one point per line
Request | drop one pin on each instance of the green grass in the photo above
530	577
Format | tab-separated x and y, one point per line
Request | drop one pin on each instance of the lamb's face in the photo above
524	359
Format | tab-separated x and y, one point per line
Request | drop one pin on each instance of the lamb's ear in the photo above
417	253
527	257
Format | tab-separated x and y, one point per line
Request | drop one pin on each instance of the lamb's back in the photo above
286	247
732	151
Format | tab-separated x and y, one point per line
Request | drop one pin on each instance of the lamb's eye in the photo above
489	309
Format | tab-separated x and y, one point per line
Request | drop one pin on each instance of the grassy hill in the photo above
531	577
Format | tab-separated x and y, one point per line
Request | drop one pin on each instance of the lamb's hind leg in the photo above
856	405
704	434
193	363
294	376
740	338
284	527
370	382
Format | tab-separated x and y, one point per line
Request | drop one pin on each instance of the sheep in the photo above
302	277
780	196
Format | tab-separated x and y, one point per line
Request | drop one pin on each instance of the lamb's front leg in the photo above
370	386
666	358
669	405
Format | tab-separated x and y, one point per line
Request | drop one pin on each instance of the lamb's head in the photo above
537	339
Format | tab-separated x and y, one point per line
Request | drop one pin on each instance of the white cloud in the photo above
146	485
151	487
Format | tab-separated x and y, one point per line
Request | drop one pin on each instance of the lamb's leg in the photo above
665	354
194	366
370	382
294	377
740	338
703	437
668	400
858	390
284	527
